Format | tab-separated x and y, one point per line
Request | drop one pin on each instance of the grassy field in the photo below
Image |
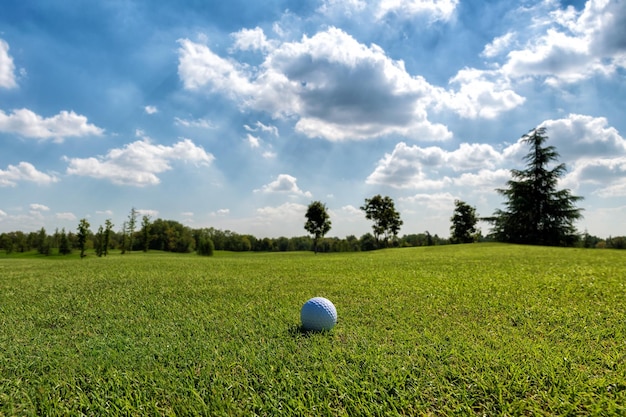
454	330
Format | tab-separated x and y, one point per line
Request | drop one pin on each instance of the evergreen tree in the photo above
536	212
108	226
81	236
317	221
64	243
145	232
99	241
132	222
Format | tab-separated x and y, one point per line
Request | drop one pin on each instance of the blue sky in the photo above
236	115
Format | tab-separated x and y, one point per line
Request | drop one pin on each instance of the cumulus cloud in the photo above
151	109
437	202
252	40
285	213
481	93
24	171
139	162
28	124
569	45
285	184
319	80
66	216
7	68
148	212
434	9
406	166
579	134
499	45
39	207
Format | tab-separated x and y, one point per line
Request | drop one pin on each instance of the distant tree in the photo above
132	223
464	219
204	245
43	243
145	232
81	236
64	244
386	219
368	242
317	221
6	242
99	241
536	212
124	237
108	227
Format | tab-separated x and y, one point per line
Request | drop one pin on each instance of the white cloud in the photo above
578	135
485	180
199	123
434	9
66	216
151	109
24	171
220	213
286	213
405	167
483	94
253	141
262	128
107	212
286	184
437	202
7	68
147	212
498	46
569	46
199	67
39	207
252	40
65	124
3	214
138	162
319	80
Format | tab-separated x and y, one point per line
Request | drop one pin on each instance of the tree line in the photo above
535	212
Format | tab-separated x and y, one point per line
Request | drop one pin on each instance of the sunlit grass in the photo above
474	329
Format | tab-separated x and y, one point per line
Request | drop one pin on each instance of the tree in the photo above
124	233
99	241
536	212
464	221
386	219
81	236
317	222
64	243
132	222
145	232
43	243
204	245
108	226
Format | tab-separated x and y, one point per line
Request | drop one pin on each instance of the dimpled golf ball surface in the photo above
318	314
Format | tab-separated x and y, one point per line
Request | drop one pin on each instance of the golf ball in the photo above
318	314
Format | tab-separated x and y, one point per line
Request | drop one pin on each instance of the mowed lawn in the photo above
479	329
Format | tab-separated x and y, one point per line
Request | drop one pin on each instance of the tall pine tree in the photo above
536	212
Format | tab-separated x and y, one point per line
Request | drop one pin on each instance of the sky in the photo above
237	115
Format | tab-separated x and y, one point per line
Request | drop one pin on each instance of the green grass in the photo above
454	330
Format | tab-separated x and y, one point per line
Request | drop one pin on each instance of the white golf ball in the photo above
318	314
